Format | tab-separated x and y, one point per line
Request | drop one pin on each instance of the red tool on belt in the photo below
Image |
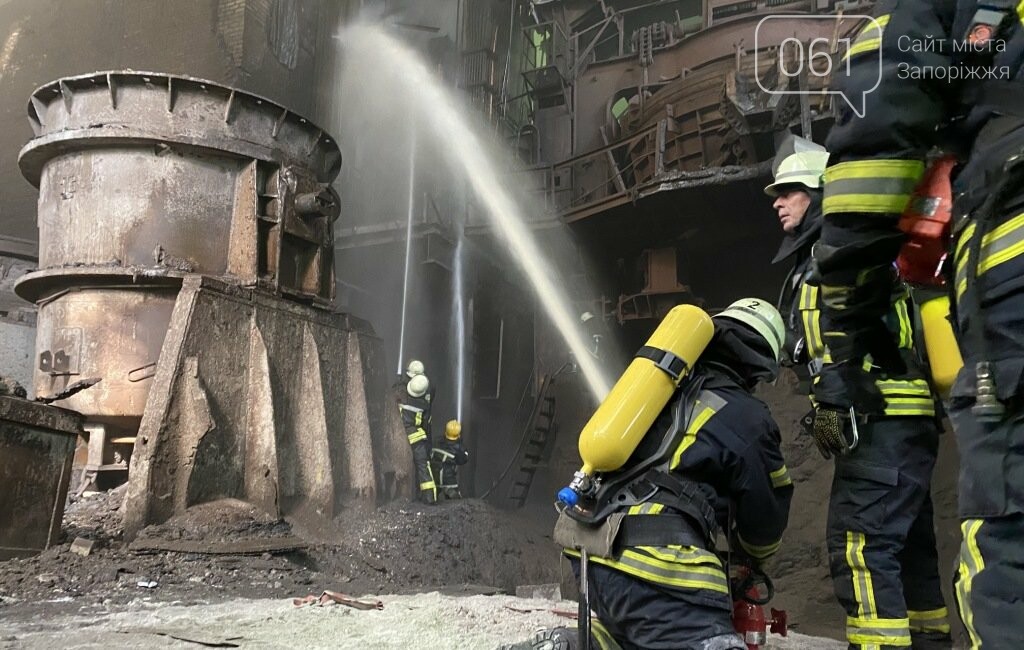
747	612
927	220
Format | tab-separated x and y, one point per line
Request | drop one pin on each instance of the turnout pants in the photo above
426	489
881	538
990	572
633	614
446	473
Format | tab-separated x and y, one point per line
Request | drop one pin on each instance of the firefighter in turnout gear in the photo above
445	459
414	406
714	448
945	74
880	531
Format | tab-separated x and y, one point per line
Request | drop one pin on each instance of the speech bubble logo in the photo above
798	54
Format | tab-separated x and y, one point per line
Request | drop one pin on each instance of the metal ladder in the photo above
530	454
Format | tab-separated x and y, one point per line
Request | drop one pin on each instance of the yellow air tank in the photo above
643	390
940	343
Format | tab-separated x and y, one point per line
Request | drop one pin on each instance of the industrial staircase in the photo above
531	453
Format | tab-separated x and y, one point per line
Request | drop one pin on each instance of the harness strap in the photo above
673	366
658	530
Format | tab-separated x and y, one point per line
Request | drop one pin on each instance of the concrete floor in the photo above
429	621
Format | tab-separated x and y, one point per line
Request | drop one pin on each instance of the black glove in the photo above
834	432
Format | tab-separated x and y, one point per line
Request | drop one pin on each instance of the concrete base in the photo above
287	411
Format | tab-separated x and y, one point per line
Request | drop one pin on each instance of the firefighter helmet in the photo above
452	430
762	317
586	316
798	161
414	368
418	386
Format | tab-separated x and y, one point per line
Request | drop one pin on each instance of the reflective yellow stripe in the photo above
906	329
711	404
907	407
427	485
810	315
759	552
971	564
1004	243
690	436
678	566
875	169
645	509
812	333
417	435
869	38
912	386
965	236
865	631
808	296
780	477
872	203
932	620
669	572
600	634
960	256
869	45
876	186
863	588
1020	11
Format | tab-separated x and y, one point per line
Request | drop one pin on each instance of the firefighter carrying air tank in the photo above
948	75
880	519
679	441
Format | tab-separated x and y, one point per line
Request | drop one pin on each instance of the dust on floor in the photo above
430	621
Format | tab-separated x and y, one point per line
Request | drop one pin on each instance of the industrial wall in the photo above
273	48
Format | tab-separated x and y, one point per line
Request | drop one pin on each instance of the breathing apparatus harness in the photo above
640	482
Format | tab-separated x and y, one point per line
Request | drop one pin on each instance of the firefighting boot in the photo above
555	638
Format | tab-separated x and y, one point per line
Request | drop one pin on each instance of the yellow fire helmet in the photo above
452	430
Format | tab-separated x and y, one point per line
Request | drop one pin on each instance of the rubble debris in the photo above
564	613
11	387
333	597
189	636
47	578
146	583
243	547
552	591
82	546
497	550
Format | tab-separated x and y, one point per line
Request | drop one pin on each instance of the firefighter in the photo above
446	458
880	532
944	74
415	410
416	367
594	329
716	449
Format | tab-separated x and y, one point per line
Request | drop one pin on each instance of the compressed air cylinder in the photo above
940	343
643	390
